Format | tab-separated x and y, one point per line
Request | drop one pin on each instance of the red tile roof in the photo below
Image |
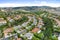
19	39
35	30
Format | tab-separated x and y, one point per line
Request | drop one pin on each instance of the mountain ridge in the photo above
55	10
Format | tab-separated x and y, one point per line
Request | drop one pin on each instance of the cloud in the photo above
49	4
42	3
45	3
12	5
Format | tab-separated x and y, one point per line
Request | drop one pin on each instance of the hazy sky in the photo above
15	3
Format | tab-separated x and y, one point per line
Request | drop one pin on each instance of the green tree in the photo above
34	38
48	28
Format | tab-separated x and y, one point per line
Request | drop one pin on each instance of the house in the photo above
40	23
39	26
17	27
2	21
3	10
34	20
17	17
59	37
28	36
35	30
24	24
10	19
22	31
19	38
7	32
57	21
11	37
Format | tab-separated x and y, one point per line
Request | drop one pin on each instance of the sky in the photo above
18	3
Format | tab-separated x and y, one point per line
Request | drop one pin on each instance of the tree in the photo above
34	38
48	28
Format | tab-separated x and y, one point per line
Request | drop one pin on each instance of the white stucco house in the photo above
2	21
28	35
59	37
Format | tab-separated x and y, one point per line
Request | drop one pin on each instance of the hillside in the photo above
55	10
